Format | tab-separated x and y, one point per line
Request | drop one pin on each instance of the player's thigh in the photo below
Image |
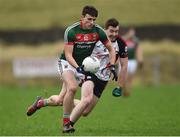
64	66
69	80
67	72
87	89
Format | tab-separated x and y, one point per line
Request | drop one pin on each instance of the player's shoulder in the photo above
98	27
72	27
120	41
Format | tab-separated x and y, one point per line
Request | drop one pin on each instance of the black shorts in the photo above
99	85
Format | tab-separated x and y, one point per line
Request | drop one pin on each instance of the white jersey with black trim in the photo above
102	53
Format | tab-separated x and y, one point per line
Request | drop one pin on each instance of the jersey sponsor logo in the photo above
95	36
91	37
78	37
86	37
84	46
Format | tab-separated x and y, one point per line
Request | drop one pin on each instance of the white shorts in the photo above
132	66
65	66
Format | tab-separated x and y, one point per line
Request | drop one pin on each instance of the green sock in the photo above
66	115
45	102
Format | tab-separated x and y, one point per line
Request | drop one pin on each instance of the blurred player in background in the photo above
135	56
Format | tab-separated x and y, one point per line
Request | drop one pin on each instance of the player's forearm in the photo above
68	50
122	77
112	56
112	53
123	72
71	60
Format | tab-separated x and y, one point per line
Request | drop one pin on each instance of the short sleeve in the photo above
69	37
123	51
102	35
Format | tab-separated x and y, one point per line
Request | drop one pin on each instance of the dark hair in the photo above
90	10
111	22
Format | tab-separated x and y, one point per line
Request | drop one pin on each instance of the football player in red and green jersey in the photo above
135	56
80	39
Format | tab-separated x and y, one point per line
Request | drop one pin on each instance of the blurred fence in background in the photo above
29	71
35	67
157	70
160	70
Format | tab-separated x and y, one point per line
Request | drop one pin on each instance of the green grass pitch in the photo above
148	111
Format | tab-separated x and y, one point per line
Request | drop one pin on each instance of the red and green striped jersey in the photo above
83	40
132	44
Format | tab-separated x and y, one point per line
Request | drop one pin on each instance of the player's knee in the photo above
72	89
86	113
54	101
59	102
87	101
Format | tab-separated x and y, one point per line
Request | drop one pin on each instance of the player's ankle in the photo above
42	103
72	123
